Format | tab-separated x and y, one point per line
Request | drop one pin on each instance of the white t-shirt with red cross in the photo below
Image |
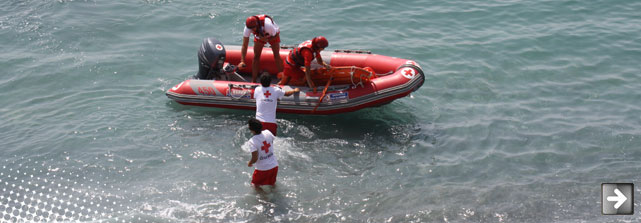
264	144
266	101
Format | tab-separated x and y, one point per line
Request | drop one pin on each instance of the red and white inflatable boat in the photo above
358	80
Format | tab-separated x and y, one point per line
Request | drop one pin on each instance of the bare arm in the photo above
308	77
288	93
320	61
253	159
243	52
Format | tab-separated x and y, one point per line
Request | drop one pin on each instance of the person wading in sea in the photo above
261	146
267	100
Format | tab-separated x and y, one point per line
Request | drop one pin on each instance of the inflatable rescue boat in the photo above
356	80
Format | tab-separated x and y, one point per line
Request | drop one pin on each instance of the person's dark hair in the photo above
255	125
265	79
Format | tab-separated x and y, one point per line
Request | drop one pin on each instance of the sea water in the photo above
527	107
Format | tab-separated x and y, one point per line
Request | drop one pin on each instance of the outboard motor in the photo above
211	57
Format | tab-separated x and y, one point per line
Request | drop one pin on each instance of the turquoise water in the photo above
528	106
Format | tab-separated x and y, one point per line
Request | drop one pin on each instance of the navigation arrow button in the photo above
620	198
617	198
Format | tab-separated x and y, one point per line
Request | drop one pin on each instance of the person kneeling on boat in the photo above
266	101
303	56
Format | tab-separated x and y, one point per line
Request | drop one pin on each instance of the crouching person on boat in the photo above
303	56
267	100
261	146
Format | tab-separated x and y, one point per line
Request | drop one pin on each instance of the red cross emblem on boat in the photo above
265	146
408	73
267	94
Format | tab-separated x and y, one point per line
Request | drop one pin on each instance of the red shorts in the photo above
273	42
272	127
294	72
265	177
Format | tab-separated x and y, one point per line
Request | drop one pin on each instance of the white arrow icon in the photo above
620	198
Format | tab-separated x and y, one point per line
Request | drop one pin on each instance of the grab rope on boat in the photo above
351	77
353	51
237	92
360	78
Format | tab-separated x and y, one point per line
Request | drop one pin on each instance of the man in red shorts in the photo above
261	146
267	100
303	55
265	31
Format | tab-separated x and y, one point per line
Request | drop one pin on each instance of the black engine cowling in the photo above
211	57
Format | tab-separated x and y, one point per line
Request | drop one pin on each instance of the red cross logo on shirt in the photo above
267	94
265	146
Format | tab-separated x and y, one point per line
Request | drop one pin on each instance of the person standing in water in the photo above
261	146
267	100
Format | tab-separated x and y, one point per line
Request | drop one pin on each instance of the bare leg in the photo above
277	59
258	189
258	49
